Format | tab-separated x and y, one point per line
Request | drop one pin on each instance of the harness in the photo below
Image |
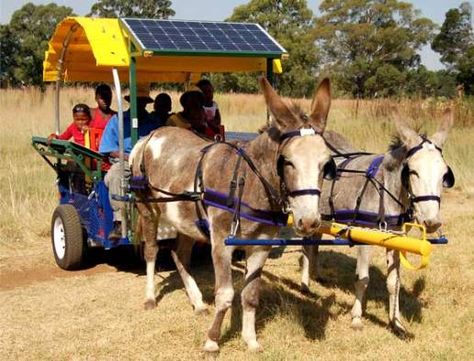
381	219
448	177
363	217
232	201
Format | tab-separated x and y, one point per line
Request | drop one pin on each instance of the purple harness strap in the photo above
219	200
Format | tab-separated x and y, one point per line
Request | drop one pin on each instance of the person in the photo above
78	129
101	114
162	108
192	117
211	109
109	146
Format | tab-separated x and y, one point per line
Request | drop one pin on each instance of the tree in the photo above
290	23
31	27
370	44
153	9
455	36
455	43
8	53
465	69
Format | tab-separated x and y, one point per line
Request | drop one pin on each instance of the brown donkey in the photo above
408	177
282	168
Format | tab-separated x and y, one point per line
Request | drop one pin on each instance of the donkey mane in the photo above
397	143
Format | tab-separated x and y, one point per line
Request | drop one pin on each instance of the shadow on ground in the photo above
280	294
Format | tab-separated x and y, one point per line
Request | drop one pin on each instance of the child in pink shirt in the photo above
82	117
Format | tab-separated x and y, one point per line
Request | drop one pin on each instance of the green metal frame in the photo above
69	151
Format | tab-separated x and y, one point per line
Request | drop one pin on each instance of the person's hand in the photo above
51	137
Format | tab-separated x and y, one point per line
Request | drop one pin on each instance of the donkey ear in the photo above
407	135
443	129
281	114
321	104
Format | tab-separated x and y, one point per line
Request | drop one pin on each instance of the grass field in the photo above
97	314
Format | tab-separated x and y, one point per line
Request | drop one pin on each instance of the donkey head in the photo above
303	158
425	171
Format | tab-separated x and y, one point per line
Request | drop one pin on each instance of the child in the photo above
162	108
213	116
82	117
102	114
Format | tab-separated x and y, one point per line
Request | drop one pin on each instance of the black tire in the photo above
67	237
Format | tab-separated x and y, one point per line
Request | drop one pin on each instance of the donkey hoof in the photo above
254	346
201	310
357	324
150	304
398	329
211	346
304	289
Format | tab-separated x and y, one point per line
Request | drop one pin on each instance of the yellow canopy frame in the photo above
93	46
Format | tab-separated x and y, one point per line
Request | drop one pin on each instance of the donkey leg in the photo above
361	284
393	287
309	265
182	256
149	224
250	296
224	293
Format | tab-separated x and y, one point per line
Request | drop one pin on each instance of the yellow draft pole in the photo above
387	239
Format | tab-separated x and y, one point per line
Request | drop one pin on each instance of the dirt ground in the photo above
97	313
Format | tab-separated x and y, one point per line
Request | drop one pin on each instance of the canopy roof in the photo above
93	46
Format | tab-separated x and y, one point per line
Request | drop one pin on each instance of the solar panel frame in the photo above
205	38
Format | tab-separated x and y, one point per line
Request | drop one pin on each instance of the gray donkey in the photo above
380	190
243	186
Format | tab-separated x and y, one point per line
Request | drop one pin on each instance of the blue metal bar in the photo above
231	241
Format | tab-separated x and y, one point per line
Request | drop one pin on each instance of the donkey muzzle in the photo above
307	226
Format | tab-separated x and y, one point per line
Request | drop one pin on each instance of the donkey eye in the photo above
287	163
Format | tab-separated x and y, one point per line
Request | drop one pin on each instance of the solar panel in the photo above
202	37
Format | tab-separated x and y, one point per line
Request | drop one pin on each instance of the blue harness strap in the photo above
374	167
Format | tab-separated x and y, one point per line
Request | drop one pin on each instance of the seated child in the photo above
211	110
77	129
103	112
192	117
162	108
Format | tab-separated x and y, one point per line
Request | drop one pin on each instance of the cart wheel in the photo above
67	237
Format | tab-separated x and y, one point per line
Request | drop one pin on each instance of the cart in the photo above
130	51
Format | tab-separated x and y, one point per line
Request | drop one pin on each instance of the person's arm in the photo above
109	142
67	134
217	117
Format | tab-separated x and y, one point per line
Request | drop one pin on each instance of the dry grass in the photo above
98	315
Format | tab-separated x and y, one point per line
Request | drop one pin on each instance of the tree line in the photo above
370	48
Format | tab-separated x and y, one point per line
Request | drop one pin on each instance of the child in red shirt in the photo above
102	114
82	117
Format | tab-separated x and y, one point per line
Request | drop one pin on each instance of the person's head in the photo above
207	89
192	102
103	96
81	115
143	98
162	103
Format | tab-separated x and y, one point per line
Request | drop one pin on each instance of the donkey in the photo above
242	186
409	177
